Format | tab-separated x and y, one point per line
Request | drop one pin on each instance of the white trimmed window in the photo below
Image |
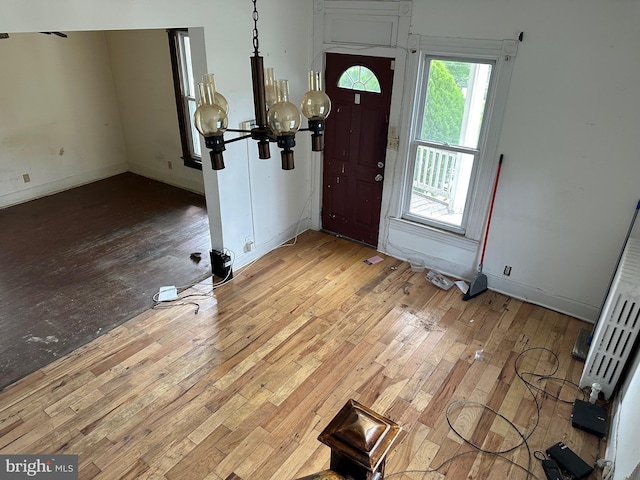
461	91
180	51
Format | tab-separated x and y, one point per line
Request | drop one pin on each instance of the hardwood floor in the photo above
78	263
242	389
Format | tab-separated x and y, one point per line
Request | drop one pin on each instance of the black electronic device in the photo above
551	470
589	417
569	461
221	265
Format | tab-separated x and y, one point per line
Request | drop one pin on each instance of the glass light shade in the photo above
210	119
270	90
209	94
315	104
283	117
221	101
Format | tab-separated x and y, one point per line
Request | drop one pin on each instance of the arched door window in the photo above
360	78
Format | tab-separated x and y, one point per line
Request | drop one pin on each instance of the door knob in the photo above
378	178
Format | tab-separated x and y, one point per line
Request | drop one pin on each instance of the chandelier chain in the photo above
256	43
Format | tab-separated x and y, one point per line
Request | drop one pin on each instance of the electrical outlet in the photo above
507	270
170	165
247	124
26	178
249	245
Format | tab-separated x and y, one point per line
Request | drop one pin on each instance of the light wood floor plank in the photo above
242	389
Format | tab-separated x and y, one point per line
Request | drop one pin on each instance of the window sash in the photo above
186	72
190	106
187	90
424	79
185	96
416	142
501	54
421	219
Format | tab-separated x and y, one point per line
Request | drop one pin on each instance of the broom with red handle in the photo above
479	283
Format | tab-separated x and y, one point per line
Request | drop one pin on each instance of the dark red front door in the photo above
355	147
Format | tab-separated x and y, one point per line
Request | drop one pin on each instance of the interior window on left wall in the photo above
180	49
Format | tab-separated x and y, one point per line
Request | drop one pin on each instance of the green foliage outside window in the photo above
444	106
460	71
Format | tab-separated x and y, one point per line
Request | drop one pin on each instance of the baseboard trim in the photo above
560	304
60	185
176	181
533	295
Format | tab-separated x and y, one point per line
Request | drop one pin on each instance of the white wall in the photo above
260	201
60	122
570	133
569	182
101	103
141	66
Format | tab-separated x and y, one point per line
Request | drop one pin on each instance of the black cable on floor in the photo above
524	437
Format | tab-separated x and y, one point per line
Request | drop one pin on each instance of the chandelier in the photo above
276	118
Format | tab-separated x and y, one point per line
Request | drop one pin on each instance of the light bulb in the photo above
315	104
283	117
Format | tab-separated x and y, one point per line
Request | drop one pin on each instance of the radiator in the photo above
635	475
618	326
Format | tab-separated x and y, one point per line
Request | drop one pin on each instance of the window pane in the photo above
359	78
186	73
195	136
455	101
440	184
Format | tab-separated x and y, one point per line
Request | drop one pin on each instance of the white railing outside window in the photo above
435	174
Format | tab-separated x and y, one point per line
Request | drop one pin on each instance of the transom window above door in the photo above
360	78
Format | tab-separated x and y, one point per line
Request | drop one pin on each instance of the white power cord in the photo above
607	468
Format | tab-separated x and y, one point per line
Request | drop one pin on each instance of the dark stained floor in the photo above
76	264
